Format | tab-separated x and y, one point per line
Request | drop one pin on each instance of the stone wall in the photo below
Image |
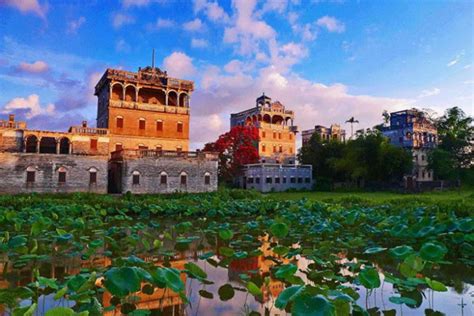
13	173
276	177
150	170
11	140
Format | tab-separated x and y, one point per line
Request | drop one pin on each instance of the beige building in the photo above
334	132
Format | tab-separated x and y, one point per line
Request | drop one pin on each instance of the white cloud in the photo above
38	66
279	6
194	25
199	43
429	93
234	66
331	24
31	104
121	19
27	6
122	46
135	3
179	65
74	25
456	59
212	10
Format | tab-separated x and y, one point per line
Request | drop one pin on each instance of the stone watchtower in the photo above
144	110
276	130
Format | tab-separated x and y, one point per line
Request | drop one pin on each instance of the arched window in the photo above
183	100
30	174
64	146
143	147
180	127
61	175
31	144
163	178
118	146
141	124
183	178
159	125
136	177
207	178
119	122
117	92
92	176
48	145
263	147
172	98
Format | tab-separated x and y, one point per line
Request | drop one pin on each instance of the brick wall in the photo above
289	177
150	170
11	140
13	172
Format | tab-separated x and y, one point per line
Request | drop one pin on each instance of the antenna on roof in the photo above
153	59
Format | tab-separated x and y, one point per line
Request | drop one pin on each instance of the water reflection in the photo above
456	301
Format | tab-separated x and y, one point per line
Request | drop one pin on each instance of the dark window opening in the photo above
118	147
277	180
64	145
307	180
293	180
119	122
163	179
159	126
269	180
257	180
92	177
184	179
300	180
30	176
141	124
93	144
284	179
207	179
136	179
180	127
250	180
62	177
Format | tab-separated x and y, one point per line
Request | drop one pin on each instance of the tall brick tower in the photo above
276	130
144	109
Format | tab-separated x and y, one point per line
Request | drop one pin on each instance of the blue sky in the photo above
327	60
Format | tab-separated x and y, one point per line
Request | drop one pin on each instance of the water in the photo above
458	300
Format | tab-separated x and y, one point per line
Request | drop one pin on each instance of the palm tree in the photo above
352	121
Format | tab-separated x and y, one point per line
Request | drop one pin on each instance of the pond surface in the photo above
458	300
208	255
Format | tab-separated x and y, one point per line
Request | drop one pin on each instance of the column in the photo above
136	93
177	101
166	98
38	145
58	147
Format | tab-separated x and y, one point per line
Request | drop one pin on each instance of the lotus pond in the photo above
233	253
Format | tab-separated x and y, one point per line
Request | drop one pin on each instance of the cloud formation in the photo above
179	65
199	43
429	93
121	19
29	105
74	25
331	24
38	66
27	6
194	25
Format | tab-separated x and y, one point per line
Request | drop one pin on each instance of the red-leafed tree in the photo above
236	148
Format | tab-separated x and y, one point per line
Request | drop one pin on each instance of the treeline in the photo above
369	158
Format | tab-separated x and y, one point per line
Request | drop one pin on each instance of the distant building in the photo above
335	132
141	143
277	170
413	130
277	132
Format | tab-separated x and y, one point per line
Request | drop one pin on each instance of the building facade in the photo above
275	126
334	132
142	135
413	130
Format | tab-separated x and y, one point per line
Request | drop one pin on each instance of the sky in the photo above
326	60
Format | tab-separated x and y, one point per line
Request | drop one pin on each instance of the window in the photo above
307	180
180	127
159	148
291	136
92	176
269	180
183	178
293	180
250	180
136	178
263	148
423	174
141	124
61	175
119	122
30	175
207	178
274	148
179	149
142	147
274	135
291	150
422	157
279	135
257	180
277	180
264	134
159	126
300	180
118	146
280	149
163	178
93	144
284	179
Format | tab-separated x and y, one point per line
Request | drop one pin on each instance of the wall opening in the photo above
48	145
31	145
64	146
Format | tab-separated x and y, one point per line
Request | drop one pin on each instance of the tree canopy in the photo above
236	148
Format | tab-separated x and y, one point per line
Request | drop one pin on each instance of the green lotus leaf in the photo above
436	285
369	277
226	292
402	300
279	230
433	251
286	296
195	270
122	281
374	250
254	289
401	252
307	305
226	234
285	271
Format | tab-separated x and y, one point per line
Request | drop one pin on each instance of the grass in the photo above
464	196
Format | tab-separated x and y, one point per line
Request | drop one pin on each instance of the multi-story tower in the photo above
413	130
335	132
144	109
275	126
